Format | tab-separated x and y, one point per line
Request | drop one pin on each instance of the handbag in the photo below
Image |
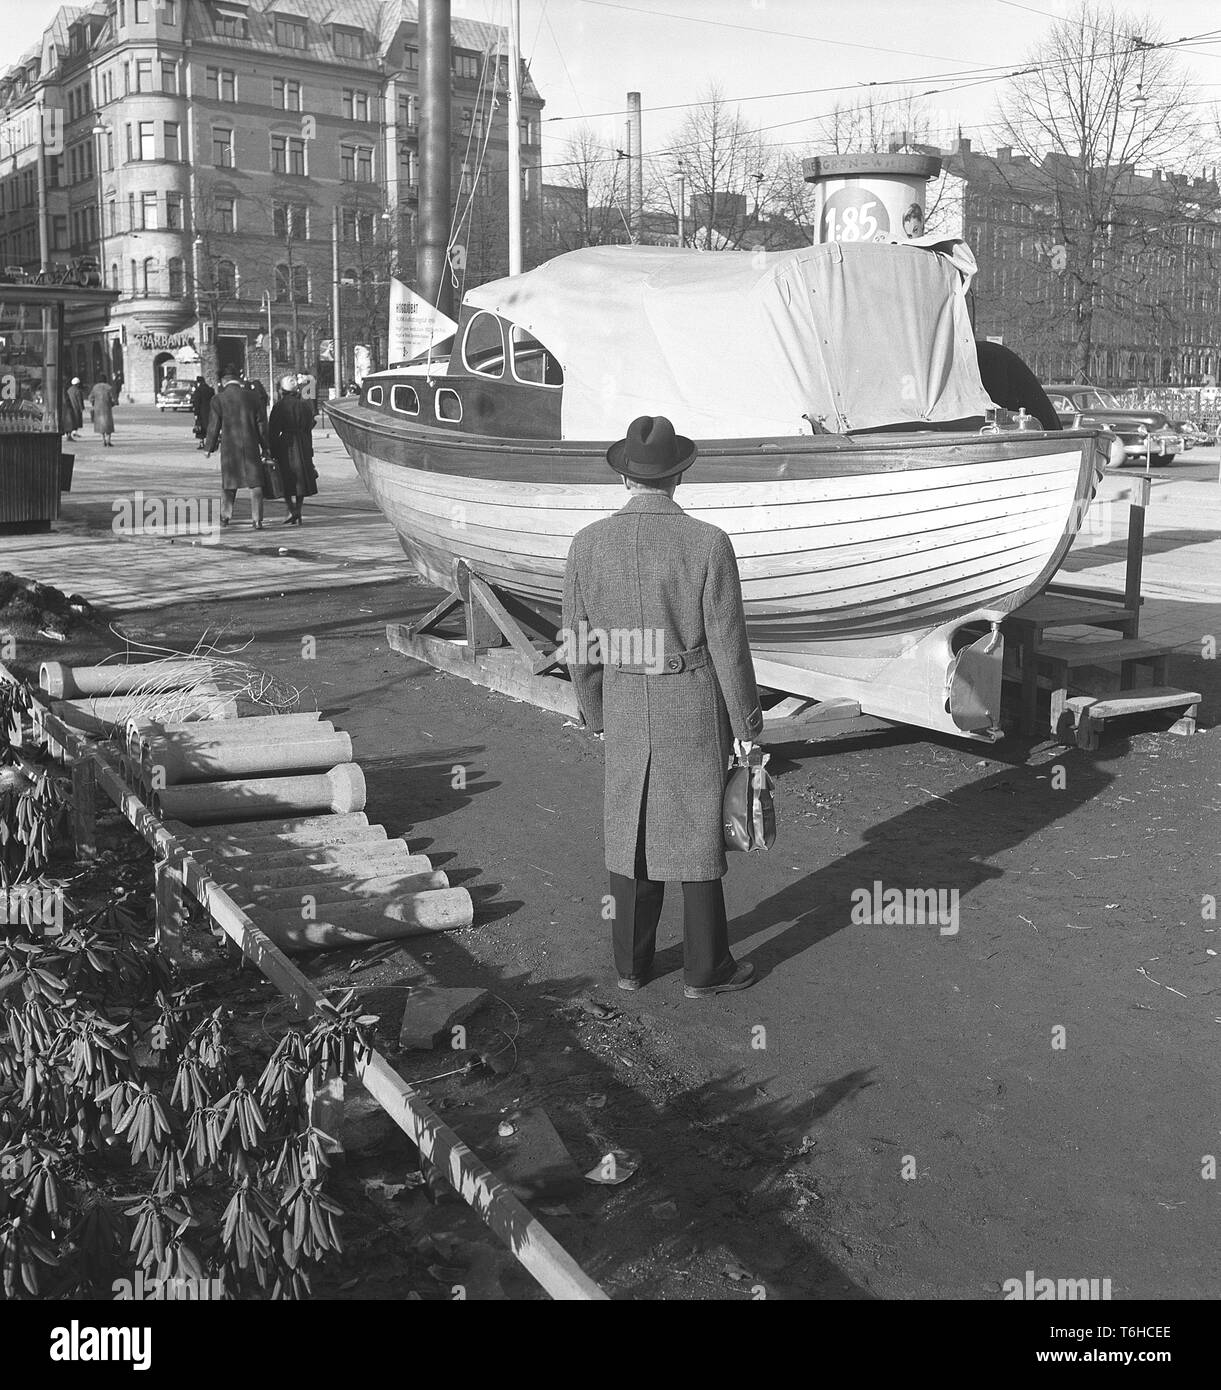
273	482
748	807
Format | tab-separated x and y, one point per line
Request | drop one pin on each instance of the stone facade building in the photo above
208	153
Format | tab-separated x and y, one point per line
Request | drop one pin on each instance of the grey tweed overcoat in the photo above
658	655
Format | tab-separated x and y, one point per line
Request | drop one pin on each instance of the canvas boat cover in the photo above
741	344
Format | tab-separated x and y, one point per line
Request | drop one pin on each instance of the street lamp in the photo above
682	203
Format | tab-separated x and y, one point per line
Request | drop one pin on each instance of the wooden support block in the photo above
431	1013
84	807
171	911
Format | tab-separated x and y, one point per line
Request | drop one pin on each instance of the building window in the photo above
144	74
355	105
356	226
134	276
148	275
407	112
226	214
139	11
229	25
112	224
295	279
290	33
466	65
221	84
173	211
107	87
169	11
176	285
288	154
109	147
347	44
171	140
130	154
222	148
411	58
287	94
226	278
55	170
148	141
148	211
279	340
169	76
356	163
290	221
59	233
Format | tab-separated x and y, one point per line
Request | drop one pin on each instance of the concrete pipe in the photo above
222	761
348	925
310	829
341	790
266	848
329	859
67	682
326	883
103	715
258	726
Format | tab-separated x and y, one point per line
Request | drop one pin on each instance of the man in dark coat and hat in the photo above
655	640
201	407
240	426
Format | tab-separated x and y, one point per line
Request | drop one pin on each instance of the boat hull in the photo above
852	558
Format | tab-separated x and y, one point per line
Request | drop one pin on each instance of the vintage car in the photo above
174	395
1145	433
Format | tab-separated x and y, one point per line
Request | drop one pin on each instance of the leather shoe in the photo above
631	982
742	978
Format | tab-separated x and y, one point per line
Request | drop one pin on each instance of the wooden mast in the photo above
432	257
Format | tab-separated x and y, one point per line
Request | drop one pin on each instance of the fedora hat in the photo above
651	452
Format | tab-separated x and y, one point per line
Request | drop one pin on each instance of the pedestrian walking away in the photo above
290	438
201	407
75	402
102	401
238	426
655	640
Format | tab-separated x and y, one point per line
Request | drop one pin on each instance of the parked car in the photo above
1145	433
174	395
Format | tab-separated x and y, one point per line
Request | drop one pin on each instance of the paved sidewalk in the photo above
345	540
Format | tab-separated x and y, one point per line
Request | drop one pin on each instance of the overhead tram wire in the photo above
998	73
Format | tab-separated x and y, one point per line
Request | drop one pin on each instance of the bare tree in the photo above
873	123
586	204
1097	101
732	176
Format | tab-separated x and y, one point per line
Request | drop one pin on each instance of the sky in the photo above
778	57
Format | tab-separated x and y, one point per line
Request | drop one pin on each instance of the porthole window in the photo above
448	405
483	348
374	396
404	400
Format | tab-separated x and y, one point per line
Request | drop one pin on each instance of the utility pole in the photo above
432	261
336	344
682	203
636	170
515	139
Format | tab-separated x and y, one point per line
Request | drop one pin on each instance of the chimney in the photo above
1004	153
962	145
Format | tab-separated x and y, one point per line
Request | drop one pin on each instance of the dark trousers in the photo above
636	903
637	907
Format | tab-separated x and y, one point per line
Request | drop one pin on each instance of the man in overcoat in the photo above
655	640
239	425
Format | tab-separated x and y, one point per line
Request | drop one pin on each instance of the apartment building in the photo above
211	155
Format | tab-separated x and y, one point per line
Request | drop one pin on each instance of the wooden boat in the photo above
878	550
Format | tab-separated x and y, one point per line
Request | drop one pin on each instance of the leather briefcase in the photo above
748	808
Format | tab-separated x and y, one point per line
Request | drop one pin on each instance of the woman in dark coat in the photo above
75	398
290	439
102	400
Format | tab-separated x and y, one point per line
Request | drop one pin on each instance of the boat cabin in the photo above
500	380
